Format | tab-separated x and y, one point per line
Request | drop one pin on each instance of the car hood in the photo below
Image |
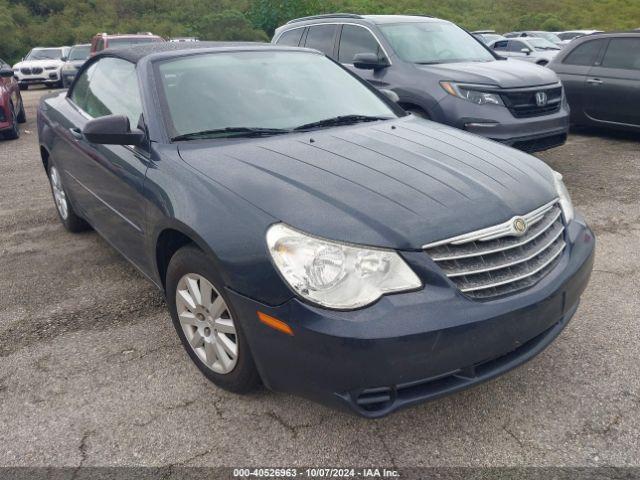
38	63
401	184
502	73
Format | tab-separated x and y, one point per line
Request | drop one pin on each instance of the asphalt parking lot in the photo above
92	372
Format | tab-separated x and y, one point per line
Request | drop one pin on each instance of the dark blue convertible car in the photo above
308	233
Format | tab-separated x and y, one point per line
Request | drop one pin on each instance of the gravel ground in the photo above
92	372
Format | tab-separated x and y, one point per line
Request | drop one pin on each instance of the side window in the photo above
100	45
501	45
623	53
111	87
79	93
291	38
516	46
356	40
320	37
584	54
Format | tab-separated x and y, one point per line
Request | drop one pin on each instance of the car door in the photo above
515	51
613	84
108	179
355	39
573	70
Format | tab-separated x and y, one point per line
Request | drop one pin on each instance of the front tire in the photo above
22	116
206	322
69	218
14	132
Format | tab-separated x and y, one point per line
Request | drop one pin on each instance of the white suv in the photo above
41	66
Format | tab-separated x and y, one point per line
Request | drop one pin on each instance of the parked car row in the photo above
56	67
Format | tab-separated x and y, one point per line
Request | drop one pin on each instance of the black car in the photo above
601	75
77	56
441	72
305	231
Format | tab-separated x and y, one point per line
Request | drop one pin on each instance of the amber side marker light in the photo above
275	323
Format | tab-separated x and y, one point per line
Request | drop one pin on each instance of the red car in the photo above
11	106
101	41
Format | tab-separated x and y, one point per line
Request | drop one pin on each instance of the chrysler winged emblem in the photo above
519	226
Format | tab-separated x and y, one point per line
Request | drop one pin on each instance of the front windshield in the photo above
267	89
80	52
434	42
491	37
542	44
45	54
551	37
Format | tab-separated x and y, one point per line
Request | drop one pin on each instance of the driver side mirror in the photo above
112	130
369	61
6	72
526	51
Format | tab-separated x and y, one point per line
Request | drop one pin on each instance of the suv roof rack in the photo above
326	15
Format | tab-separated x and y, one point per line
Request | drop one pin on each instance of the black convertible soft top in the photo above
136	53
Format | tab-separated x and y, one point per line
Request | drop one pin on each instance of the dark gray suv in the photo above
441	72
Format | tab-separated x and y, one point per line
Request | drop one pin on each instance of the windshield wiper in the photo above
231	132
340	120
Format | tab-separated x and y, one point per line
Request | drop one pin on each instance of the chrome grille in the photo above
497	261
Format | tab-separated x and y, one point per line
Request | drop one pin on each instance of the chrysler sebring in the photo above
306	232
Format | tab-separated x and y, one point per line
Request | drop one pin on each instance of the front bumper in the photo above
498	123
68	77
416	346
47	76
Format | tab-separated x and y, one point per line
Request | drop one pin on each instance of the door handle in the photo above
594	81
76	133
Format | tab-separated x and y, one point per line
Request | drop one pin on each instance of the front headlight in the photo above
472	93
67	67
337	275
565	199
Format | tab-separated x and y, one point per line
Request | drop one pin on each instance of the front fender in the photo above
225	226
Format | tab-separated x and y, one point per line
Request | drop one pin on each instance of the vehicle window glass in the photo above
501	45
623	53
100	45
45	54
542	44
273	89
320	37
79	53
516	46
112	88
291	38
79	93
584	54
434	42
355	40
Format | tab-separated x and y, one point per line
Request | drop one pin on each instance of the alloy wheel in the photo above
59	194
207	323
